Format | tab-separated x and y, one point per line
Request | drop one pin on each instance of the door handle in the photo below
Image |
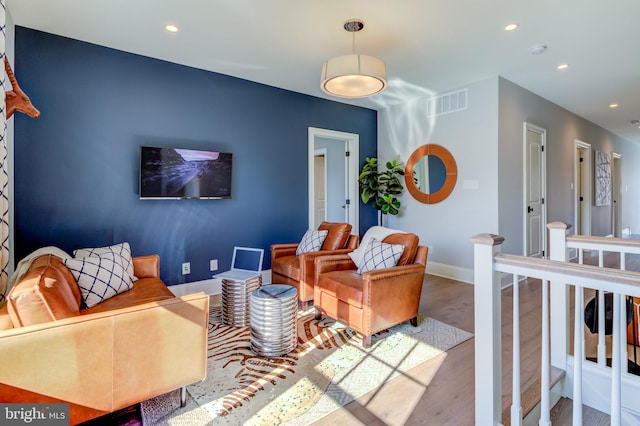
529	209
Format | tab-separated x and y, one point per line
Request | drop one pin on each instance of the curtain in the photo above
4	175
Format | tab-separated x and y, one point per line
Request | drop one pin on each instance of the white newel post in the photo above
488	329
559	299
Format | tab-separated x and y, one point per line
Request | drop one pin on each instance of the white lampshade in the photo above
353	76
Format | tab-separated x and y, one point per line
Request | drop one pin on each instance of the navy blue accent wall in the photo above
77	165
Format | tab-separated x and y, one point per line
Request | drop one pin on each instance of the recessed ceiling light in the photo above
536	50
563	66
511	27
613	105
171	28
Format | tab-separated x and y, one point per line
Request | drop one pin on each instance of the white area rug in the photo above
327	370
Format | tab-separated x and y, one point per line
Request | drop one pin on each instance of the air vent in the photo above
448	103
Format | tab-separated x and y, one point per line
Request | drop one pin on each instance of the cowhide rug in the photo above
328	369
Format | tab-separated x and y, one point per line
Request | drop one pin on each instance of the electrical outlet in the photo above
213	264
430	248
186	268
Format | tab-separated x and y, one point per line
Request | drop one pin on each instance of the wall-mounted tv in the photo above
184	173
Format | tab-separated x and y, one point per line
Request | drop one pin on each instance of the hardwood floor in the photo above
446	397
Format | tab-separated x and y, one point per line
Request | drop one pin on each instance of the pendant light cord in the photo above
353	41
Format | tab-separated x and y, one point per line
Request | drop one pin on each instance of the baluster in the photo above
616	361
623	316
545	409
578	356
602	344
516	405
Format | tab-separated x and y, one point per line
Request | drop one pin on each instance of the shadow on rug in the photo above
328	369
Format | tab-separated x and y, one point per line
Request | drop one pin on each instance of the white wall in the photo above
486	140
471	135
630	184
518	105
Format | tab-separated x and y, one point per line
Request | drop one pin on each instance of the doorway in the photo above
535	209
333	191
582	189
320	185
616	189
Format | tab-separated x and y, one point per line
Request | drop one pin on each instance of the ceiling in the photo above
430	46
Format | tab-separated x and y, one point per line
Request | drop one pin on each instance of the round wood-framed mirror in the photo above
430	174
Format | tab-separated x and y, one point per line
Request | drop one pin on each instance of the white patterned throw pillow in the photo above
99	277
377	232
379	255
123	250
311	241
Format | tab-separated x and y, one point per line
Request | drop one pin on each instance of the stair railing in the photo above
561	244
555	276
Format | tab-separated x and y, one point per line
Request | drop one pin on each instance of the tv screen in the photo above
184	173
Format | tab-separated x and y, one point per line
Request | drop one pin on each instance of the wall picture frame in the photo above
603	179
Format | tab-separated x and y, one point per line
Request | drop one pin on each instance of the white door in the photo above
320	185
342	198
616	189
535	188
582	189
579	191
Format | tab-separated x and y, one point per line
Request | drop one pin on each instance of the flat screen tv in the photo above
184	173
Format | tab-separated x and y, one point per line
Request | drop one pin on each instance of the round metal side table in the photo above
235	300
274	313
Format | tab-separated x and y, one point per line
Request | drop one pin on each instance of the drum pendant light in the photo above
354	75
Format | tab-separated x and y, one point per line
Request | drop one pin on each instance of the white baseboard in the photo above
462	274
448	271
214	285
211	286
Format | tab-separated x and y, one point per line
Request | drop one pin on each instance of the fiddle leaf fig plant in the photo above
381	186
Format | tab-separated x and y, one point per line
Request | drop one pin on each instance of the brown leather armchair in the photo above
375	300
298	271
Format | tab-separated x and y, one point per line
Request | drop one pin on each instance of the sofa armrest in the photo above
280	250
110	360
393	294
307	260
401	271
353	242
146	266
336	262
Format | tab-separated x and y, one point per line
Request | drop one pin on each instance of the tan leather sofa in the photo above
298	271
137	345
375	300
